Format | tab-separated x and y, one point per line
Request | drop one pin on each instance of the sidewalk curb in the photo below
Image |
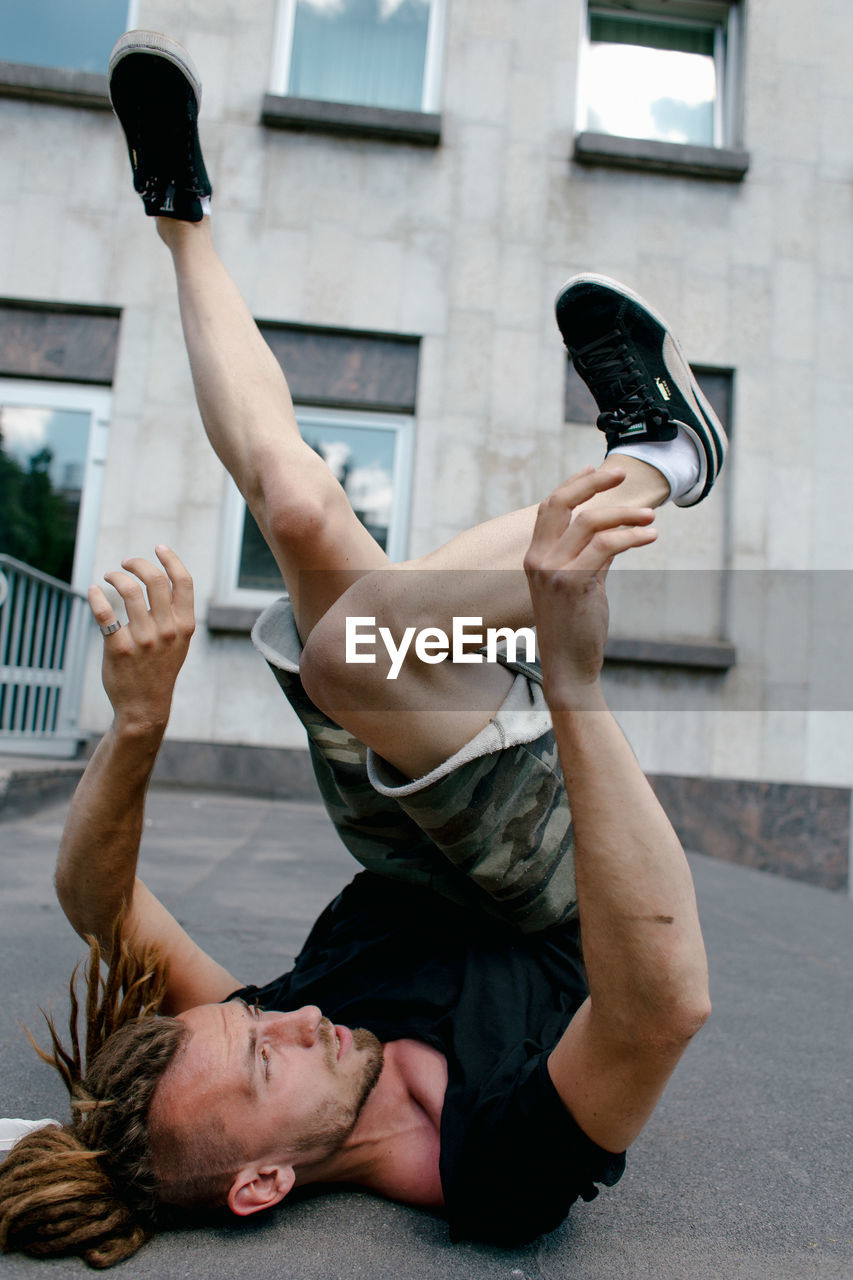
27	787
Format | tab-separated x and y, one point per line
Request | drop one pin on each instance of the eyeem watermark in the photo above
432	645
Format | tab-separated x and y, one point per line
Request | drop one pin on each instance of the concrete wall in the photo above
465	245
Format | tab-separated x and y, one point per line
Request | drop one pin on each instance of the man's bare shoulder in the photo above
425	1071
412	1169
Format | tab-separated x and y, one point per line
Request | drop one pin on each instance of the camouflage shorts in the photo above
489	827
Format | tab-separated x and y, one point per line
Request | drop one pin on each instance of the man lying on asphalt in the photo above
440	1040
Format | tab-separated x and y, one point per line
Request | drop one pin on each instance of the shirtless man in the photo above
493	1073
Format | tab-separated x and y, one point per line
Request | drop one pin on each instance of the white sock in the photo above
677	460
205	205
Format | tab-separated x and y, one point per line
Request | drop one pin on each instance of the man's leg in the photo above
649	402
299	506
302	511
242	393
426	712
248	415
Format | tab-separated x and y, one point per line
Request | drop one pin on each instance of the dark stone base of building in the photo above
802	832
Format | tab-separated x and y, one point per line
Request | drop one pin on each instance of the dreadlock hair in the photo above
88	1187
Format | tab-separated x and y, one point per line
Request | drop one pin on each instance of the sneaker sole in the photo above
716	436
164	47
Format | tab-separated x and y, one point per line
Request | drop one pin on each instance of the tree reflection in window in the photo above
362	461
42	459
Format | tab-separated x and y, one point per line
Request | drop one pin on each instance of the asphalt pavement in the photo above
744	1172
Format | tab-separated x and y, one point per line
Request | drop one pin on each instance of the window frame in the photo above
283	47
78	397
722	15
234	506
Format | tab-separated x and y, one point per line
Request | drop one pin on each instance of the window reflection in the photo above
57	33
370	52
652	80
362	460
42	467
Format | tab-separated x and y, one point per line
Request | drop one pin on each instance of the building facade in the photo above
400	188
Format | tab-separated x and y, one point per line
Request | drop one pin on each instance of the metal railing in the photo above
44	627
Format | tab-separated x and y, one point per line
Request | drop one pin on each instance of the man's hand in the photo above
142	660
566	565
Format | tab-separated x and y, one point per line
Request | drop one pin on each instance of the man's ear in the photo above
255	1188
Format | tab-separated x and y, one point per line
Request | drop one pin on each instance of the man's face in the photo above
278	1085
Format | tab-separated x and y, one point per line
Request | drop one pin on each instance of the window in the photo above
663	71
54	33
373	53
370	454
53	440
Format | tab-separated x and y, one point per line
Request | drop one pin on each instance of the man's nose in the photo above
298	1026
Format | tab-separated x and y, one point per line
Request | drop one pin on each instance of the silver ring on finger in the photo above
110	628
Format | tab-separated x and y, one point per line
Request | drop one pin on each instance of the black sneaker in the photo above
637	373
156	94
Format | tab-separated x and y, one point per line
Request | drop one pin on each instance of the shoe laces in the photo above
619	385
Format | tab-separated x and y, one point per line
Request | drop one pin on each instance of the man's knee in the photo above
360	644
291	493
292	519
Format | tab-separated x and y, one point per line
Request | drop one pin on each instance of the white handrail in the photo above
44	629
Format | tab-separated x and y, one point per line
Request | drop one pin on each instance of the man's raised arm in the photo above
96	866
642	943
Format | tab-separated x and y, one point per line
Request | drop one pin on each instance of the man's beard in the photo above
334	1123
375	1057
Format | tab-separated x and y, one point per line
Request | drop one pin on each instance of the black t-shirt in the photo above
406	964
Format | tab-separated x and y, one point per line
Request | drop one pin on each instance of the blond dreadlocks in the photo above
88	1187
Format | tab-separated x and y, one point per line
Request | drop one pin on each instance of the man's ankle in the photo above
644	485
174	232
677	460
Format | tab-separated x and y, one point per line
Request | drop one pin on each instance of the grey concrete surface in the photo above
28	783
743	1172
